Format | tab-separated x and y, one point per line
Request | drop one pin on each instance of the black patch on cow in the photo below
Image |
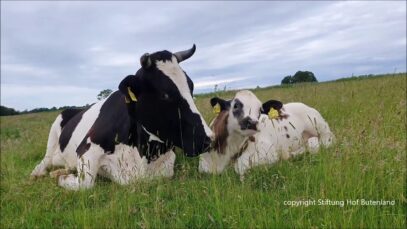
190	83
287	135
238	109
224	104
285	128
68	113
83	148
275	104
113	126
69	128
161	56
162	110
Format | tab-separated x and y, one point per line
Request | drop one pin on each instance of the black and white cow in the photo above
132	133
250	133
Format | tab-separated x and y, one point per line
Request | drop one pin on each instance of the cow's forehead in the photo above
173	71
248	99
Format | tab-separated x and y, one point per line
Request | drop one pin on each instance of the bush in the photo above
300	77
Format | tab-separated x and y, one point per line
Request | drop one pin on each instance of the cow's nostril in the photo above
252	125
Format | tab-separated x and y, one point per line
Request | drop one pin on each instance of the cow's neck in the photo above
235	142
147	143
219	160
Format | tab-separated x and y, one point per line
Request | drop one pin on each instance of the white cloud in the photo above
210	82
72	44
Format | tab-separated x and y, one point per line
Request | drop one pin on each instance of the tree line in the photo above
11	111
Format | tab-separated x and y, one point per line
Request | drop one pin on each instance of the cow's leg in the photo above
87	166
213	162
298	151
163	166
316	126
256	154
52	151
123	166
313	145
58	172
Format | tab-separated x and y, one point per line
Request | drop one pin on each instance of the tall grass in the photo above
368	162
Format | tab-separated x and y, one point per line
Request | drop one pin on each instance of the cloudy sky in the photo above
65	53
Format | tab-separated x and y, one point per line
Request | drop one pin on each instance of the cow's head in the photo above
243	111
159	96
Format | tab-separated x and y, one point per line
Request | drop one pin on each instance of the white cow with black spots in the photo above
250	133
132	133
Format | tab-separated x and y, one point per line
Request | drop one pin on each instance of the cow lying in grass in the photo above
249	133
133	132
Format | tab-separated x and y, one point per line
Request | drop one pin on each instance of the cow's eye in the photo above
237	105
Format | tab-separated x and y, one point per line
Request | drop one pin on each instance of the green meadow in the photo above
368	162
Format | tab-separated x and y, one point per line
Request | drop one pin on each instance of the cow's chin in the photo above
248	132
193	151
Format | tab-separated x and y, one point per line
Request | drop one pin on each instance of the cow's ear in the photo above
219	105
145	61
267	106
130	87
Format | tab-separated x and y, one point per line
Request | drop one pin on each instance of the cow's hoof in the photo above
34	177
36	173
59	178
58	172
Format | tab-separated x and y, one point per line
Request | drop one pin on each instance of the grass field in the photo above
368	117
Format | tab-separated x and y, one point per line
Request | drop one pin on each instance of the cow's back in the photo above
284	134
79	127
287	134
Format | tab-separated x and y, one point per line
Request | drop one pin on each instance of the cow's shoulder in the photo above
114	126
111	126
68	114
71	119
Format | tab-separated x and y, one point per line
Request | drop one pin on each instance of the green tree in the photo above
287	80
304	76
7	111
104	94
300	77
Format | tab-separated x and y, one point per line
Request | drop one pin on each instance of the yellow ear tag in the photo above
126	99
216	109
131	94
273	114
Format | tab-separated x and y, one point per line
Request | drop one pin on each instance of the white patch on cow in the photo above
152	137
124	166
88	119
163	166
52	155
177	75
87	166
